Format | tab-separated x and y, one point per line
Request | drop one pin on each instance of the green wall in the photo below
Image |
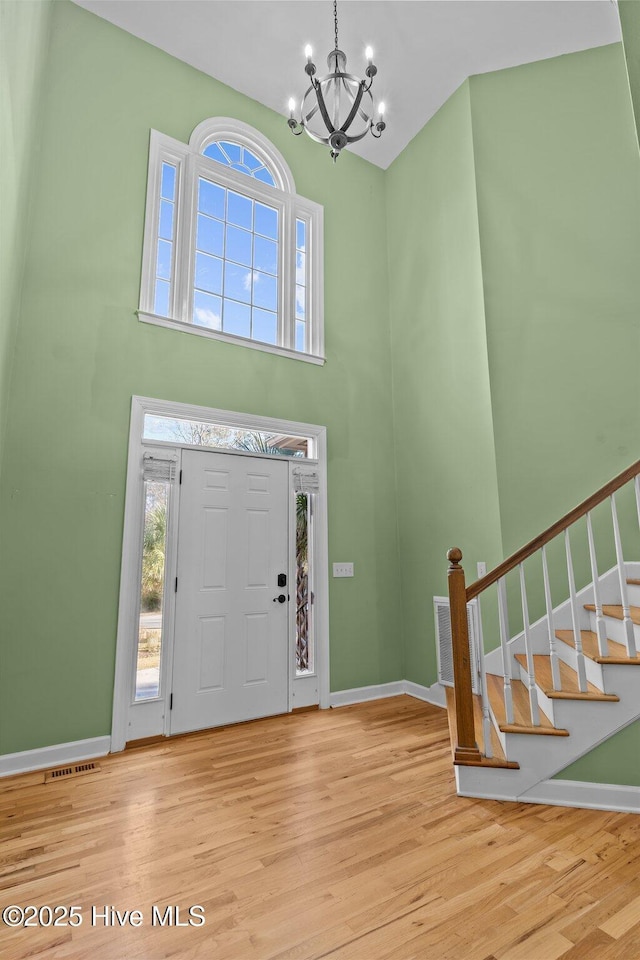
617	760
81	354
559	210
444	444
630	22
514	239
24	31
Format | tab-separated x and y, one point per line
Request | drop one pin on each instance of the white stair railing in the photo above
629	635
601	627
531	677
487	726
503	618
551	631
575	617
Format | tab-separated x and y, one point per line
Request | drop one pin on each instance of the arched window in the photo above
230	250
239	158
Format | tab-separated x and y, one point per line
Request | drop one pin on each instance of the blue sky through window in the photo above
239	158
237	264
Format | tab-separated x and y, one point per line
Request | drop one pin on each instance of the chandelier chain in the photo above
335	20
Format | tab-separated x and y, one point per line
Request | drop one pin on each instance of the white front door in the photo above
230	659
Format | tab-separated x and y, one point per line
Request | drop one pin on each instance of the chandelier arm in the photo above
354	109
323	110
311	114
361	110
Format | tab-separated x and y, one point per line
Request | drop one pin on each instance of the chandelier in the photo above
337	109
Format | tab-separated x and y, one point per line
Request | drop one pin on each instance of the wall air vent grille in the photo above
443	642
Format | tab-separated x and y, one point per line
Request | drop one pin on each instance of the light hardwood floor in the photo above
335	834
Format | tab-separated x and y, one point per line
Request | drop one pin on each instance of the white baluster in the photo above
575	618
637	486
601	626
486	717
553	653
504	645
622	577
531	680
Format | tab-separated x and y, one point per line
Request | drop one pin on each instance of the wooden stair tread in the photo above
615	610
568	680
521	713
633	583
498	759
617	651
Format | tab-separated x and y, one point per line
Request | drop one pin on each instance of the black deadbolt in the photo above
282	579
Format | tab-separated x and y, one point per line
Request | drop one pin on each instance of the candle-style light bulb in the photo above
381	109
369	54
292	106
308	52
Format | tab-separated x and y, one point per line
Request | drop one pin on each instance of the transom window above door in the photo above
220	436
231	252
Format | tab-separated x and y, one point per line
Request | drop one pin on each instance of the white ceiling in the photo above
424	49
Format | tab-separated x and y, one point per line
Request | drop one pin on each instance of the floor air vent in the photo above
75	770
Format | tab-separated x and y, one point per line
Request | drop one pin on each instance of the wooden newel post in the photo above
466	749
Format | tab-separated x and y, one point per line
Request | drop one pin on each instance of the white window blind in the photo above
306	481
159	468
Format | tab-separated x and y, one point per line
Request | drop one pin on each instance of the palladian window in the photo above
231	251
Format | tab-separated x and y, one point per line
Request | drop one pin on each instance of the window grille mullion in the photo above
185	245
286	323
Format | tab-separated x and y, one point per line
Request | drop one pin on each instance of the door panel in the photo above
231	646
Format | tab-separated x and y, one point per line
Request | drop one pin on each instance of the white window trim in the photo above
190	164
131	549
228	338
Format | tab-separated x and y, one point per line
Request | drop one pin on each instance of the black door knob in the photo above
280	599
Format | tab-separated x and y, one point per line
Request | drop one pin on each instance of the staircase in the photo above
563	684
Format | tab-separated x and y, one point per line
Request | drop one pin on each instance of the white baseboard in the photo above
55	756
434	694
592	796
378	691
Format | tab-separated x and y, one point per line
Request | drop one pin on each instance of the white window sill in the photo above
228	338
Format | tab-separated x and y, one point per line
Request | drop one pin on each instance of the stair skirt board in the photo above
592	796
565	793
435	694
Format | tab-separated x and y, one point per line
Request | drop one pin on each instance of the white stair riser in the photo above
593	670
560	710
634	594
544	702
615	629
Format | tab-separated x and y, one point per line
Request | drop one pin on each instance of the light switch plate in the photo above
343	569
